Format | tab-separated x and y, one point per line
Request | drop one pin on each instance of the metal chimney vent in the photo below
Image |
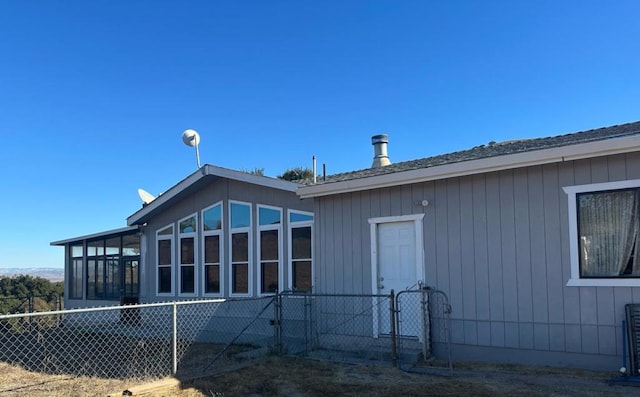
380	157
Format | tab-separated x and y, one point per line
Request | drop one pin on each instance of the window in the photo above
212	237
112	268
103	269
301	251
164	240
75	272
131	276
240	247
130	245
605	234
131	264
269	231
187	236
95	269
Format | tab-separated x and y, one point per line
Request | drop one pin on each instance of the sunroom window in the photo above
165	260
269	231
212	236
240	245
75	273
187	238
608	224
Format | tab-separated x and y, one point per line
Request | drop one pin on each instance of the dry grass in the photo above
299	377
17	381
276	376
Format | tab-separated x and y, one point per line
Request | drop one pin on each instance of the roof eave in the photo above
165	197
471	167
95	235
207	170
279	184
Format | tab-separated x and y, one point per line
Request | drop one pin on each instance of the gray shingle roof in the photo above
492	150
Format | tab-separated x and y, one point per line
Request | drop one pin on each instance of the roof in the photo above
206	174
105	234
485	158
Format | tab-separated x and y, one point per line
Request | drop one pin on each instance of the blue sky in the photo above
94	95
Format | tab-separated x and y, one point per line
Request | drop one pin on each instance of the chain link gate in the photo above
423	324
335	326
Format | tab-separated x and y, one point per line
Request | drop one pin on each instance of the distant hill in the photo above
49	273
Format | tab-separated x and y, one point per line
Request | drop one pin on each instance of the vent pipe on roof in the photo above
315	177
380	157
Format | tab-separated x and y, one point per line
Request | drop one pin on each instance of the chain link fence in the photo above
30	303
411	328
138	342
146	342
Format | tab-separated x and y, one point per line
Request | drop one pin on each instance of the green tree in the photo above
15	292
297	174
255	171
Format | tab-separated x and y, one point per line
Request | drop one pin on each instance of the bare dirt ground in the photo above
275	376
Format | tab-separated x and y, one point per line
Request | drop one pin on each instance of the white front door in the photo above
397	270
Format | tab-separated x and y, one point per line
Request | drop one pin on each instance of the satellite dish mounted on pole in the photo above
192	138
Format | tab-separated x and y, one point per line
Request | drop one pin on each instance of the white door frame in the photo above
373	223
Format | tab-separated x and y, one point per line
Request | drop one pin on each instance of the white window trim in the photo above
373	223
575	280
291	226
233	231
220	234
193	235
173	259
262	228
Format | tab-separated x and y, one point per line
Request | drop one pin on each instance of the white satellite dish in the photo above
192	138
145	196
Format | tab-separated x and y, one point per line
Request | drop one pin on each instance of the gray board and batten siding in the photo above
206	193
497	244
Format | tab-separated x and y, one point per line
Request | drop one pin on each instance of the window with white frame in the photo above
604	222
240	247
212	244
300	251
269	241
164	254
187	237
75	271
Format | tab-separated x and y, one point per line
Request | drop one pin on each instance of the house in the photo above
217	233
534	241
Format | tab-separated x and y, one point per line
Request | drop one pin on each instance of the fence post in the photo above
392	318
58	308
424	317
307	324
30	310
277	318
174	343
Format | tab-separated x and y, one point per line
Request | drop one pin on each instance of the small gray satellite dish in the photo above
145	196
192	138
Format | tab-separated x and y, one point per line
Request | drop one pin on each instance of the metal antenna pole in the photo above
198	156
